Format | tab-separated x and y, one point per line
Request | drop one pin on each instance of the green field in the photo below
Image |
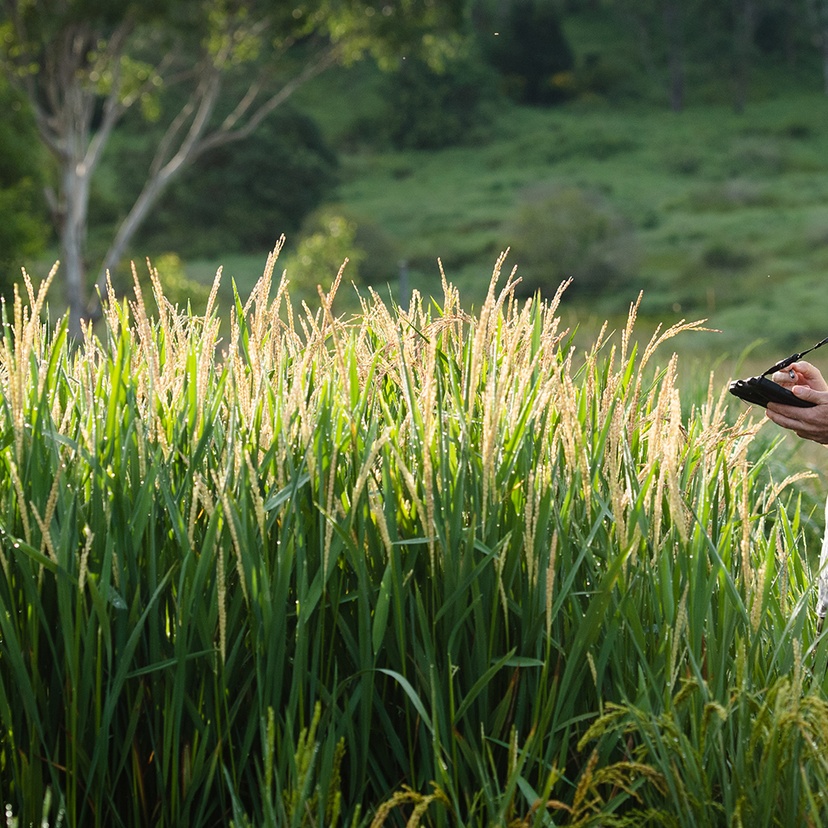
414	568
728	211
322	557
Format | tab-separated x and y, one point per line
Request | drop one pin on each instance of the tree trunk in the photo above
72	238
65	109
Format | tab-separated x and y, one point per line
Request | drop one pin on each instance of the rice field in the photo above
410	567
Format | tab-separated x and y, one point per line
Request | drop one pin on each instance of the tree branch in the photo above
226	134
199	107
201	102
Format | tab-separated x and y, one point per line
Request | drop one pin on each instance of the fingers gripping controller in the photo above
760	390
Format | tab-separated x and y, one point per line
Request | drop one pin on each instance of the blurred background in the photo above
674	148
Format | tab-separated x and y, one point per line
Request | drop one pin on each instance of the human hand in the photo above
801	373
807	383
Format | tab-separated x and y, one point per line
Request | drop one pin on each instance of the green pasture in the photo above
727	211
417	566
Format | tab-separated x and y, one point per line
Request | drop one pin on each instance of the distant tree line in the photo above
728	36
122	117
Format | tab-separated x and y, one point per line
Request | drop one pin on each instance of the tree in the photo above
23	227
82	64
277	177
818	19
524	41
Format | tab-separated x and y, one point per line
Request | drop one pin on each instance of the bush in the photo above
566	232
178	288
331	235
529	50
327	242
243	196
723	256
606	76
23	226
430	109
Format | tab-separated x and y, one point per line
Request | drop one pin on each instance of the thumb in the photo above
809	394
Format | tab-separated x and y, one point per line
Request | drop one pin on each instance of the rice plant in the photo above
420	567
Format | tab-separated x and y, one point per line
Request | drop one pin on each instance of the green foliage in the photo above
23	229
524	41
384	30
420	566
566	232
327	243
243	196
431	108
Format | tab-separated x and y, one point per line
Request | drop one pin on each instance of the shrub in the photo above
567	232
178	289
245	195
331	235
685	160
327	242
608	76
427	108
524	41
725	257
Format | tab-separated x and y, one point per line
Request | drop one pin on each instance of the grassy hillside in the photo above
730	212
727	213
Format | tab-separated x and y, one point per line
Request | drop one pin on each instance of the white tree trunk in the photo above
72	240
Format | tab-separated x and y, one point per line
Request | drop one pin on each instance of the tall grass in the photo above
415	566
